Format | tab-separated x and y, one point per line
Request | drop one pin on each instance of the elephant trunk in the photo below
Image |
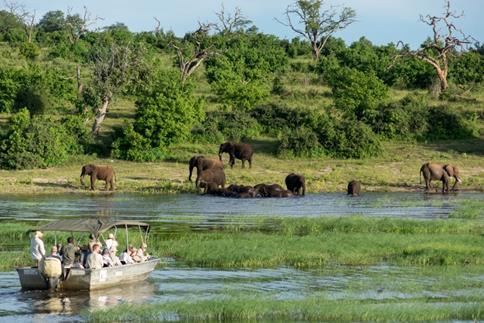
304	189
81	178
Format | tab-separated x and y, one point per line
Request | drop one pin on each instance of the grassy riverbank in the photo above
396	170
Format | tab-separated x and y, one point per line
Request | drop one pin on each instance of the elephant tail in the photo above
420	175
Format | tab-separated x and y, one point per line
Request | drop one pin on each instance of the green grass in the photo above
299	243
311	309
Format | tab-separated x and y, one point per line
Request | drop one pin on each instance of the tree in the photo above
229	23
314	24
437	50
113	65
27	18
77	26
52	21
193	50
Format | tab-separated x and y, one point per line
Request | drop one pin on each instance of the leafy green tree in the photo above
467	67
356	93
165	114
52	21
241	75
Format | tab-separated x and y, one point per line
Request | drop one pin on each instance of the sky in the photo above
380	21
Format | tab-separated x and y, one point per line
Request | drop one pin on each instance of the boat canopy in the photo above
94	226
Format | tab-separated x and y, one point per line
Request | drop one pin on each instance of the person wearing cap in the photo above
111	243
95	260
37	249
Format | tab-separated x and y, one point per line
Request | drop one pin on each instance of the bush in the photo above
38	141
300	142
220	126
467	68
30	50
348	138
33	99
165	114
412	118
355	93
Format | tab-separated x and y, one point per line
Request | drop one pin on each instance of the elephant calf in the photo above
202	163
354	188
434	171
104	173
210	178
296	184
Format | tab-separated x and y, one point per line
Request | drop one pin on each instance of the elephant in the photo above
434	171
236	150
240	188
211	176
202	163
213	189
268	190
283	193
104	173
296	184
354	188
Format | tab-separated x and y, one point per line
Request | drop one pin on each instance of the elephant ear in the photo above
450	170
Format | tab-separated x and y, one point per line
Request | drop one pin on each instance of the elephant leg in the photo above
232	162
93	182
111	184
243	163
106	185
250	162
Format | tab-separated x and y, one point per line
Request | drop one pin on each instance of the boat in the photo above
51	275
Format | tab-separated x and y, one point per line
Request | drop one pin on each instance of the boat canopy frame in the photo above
94	226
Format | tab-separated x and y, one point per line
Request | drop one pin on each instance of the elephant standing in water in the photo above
211	178
240	151
202	163
433	171
271	190
296	184
354	188
104	173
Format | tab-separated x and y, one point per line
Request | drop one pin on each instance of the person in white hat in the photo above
111	243
37	249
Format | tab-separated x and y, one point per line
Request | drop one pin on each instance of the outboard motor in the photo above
51	269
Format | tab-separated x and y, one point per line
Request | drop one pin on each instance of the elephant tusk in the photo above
459	180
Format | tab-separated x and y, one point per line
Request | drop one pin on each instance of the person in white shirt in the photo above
107	260
37	249
111	243
142	253
125	257
95	260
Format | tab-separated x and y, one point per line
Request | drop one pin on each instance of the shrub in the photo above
356	93
466	68
33	99
219	126
37	141
30	50
165	114
300	142
9	87
348	138
446	123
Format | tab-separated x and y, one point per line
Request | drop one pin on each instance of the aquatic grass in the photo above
244	308
299	243
469	209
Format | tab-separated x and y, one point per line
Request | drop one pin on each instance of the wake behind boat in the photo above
52	274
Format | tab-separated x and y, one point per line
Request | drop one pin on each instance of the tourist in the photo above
37	249
95	260
142	253
107	260
70	251
125	257
111	243
54	253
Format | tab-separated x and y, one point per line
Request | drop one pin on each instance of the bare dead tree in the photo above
193	50
77	25
229	23
27	18
307	19
445	39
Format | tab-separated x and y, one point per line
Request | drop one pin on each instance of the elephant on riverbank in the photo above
236	150
354	188
434	171
202	163
213	177
296	184
97	172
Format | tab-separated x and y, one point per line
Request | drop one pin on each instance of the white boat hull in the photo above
89	279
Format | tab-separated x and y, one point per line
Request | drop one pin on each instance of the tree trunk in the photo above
100	115
316	51
443	80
